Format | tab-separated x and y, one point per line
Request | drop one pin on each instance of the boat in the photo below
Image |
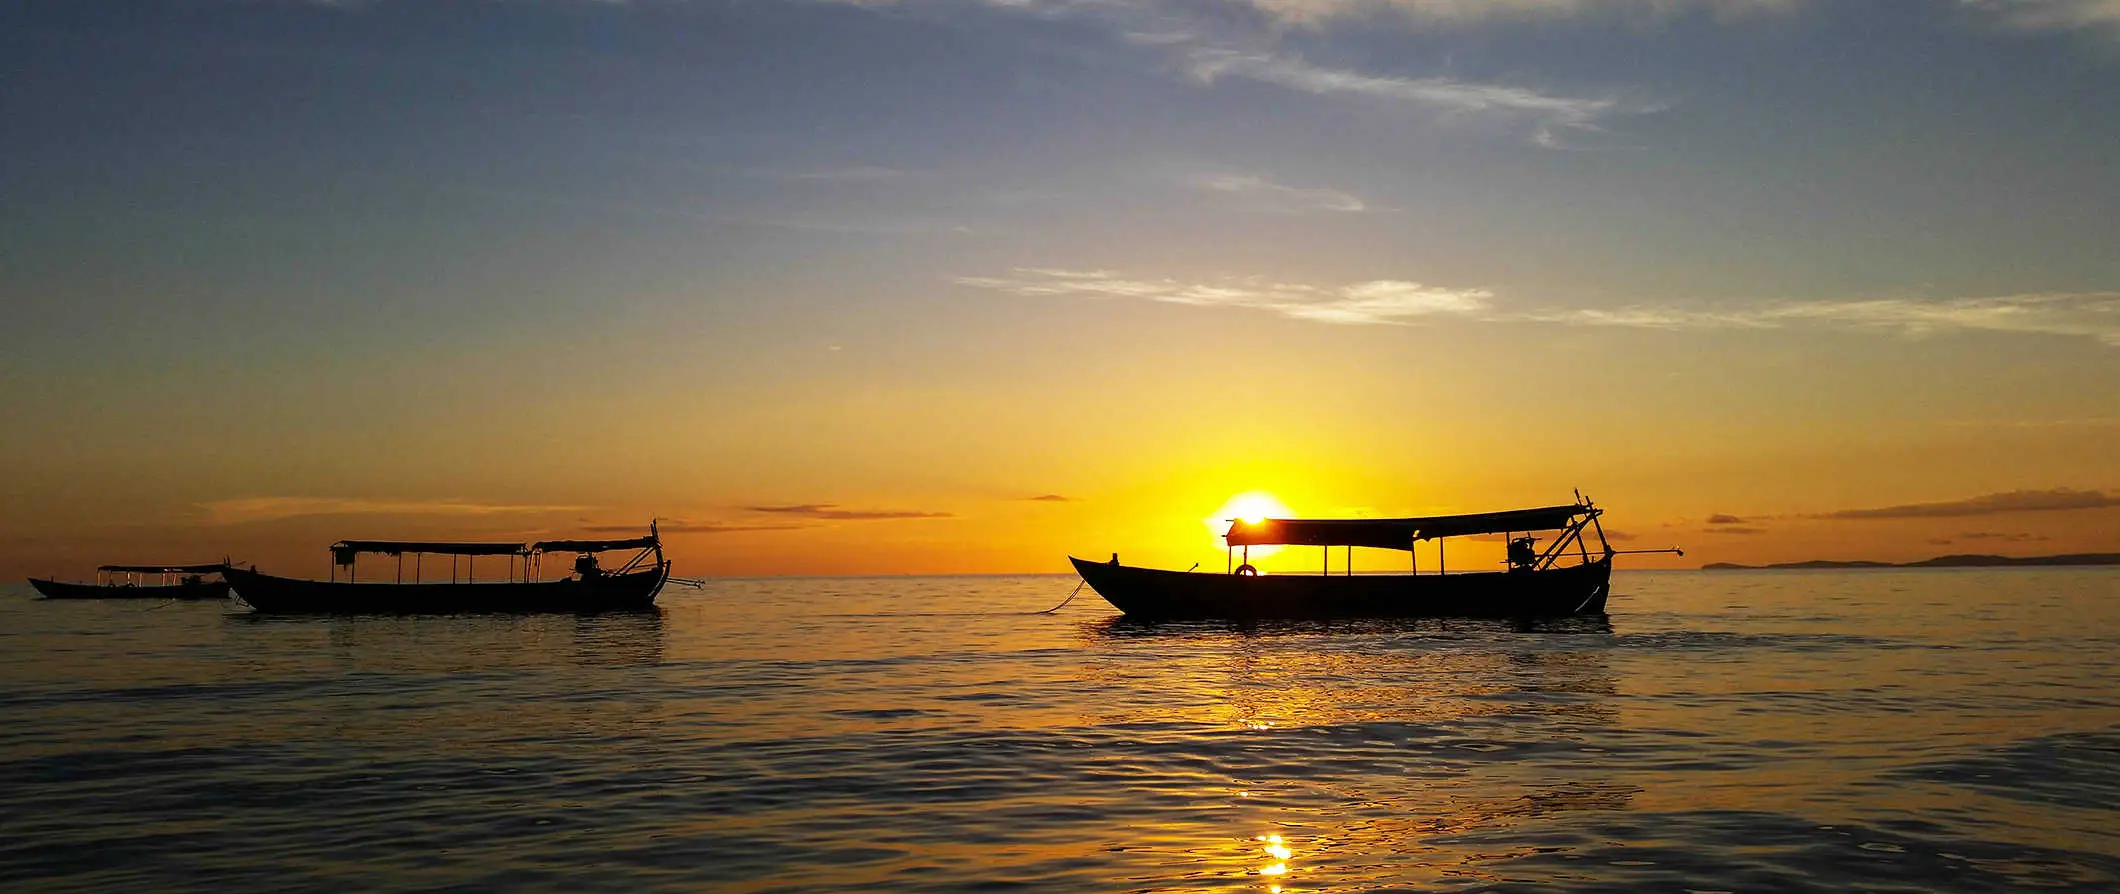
1567	578
586	588
133	582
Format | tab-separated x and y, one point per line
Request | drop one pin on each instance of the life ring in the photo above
1245	570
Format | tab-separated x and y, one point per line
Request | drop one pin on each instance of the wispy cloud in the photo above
1733	529
832	512
1721	519
2010	537
681	526
1208	63
1375	302
2058	499
1208	44
2102	16
1548	111
1266	195
257	509
1049	498
2086	314
1472	11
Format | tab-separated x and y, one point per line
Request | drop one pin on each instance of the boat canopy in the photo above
212	568
1397	533
594	546
344	550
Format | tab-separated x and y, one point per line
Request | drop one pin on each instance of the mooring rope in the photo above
1064	602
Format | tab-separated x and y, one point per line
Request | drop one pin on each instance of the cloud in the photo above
1733	529
1209	63
2018	537
1725	520
2056	500
1474	11
832	512
1619	536
1268	195
257	509
2085	314
1377	302
2094	315
1049	498
1209	42
2102	16
690	527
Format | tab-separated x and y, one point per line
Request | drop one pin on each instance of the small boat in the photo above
140	582
587	588
1566	578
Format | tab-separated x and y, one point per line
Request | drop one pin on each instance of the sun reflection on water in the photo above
1278	849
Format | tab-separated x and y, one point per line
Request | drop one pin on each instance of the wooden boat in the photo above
587	588
1554	582
130	582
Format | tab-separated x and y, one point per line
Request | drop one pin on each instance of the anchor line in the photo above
1063	603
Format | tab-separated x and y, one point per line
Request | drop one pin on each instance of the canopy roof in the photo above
401	547
1396	533
212	568
593	546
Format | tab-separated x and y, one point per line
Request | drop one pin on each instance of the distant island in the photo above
1960	561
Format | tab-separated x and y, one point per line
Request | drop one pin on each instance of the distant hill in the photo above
1961	561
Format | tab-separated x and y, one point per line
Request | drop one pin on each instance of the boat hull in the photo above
1153	594
283	595
56	589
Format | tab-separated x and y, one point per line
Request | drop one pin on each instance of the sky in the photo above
924	286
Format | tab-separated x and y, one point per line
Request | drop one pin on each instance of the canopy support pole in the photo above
1440	566
416	559
401	568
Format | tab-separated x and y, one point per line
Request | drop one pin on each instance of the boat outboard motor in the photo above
585	565
1521	555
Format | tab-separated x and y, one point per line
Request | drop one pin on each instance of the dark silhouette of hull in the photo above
609	593
1153	594
53	589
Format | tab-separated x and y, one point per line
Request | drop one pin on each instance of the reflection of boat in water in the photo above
589	588
1552	582
1128	626
126	582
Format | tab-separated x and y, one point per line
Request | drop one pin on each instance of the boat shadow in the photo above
1122	626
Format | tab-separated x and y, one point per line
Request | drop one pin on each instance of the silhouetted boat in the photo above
1556	581
175	582
588	588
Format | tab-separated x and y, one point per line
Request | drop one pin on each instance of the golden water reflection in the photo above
1279	850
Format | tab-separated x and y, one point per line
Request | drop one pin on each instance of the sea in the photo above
1887	730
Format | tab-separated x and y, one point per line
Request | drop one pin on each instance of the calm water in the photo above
1904	730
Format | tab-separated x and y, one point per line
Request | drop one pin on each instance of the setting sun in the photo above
1252	507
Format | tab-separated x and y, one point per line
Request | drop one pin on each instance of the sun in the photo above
1251	506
